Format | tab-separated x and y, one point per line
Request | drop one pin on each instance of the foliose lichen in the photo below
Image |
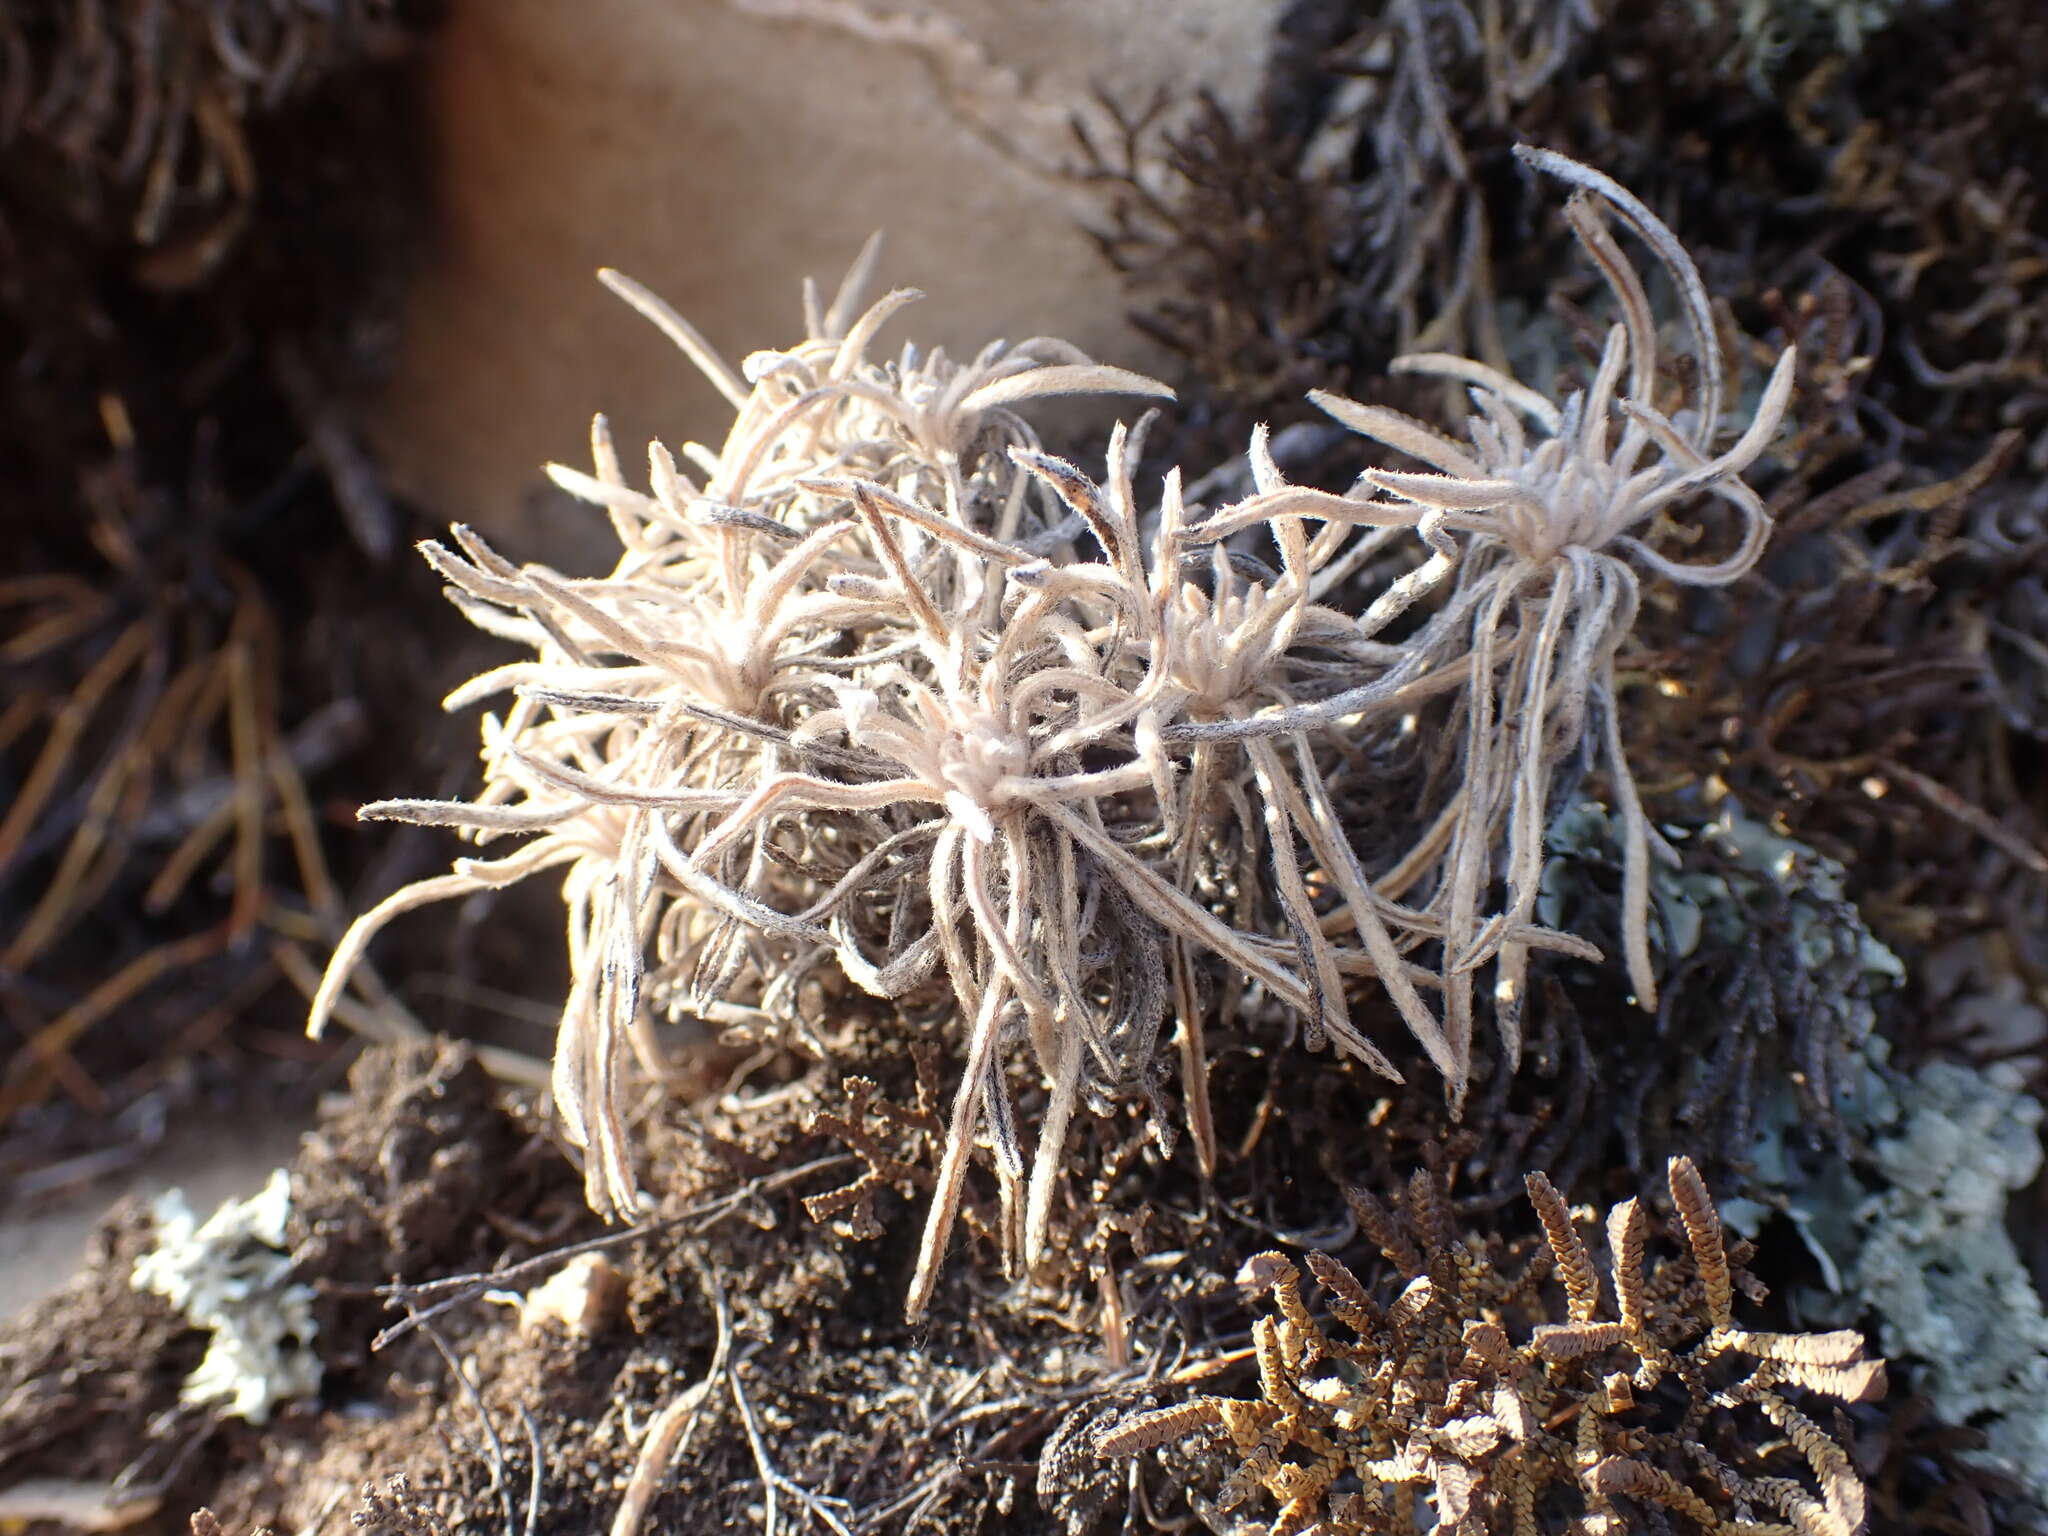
1768	968
1927	1251
1902	1201
231	1276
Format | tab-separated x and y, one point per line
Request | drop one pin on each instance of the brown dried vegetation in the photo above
144	105
1873	683
1665	1404
191	282
862	712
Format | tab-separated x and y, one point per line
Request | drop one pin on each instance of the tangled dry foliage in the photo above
1545	586
1873	684
894	687
144	103
165	757
192	281
1397	109
1767	1013
1432	1398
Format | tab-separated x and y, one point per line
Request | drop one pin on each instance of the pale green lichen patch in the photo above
231	1276
1937	1265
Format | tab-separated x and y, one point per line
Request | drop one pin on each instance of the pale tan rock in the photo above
210	1160
719	156
80	1506
583	1298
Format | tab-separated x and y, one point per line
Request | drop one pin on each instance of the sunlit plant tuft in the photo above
882	697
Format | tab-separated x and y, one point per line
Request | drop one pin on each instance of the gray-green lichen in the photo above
1827	930
1765	34
1904	1209
230	1276
1843	969
1712	906
1923	1244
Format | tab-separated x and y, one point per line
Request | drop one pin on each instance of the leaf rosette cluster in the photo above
882	698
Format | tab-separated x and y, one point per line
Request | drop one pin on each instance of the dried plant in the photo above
1772	983
145	102
760	662
205	1522
1427	255
1542	592
1903	212
1431	1397
398	1508
857	697
894	687
1346	220
177	662
145	733
869	1118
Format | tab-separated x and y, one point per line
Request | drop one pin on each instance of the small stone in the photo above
582	1298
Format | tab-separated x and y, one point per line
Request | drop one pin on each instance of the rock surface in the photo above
721	152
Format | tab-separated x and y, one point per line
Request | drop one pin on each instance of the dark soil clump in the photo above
768	1344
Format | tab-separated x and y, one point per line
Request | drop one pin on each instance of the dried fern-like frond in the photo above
1583	1417
852	1206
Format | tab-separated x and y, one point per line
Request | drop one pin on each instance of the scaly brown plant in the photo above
1454	1394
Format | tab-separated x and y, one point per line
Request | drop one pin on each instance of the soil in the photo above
975	1420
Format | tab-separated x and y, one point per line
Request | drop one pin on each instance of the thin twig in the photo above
457	1290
